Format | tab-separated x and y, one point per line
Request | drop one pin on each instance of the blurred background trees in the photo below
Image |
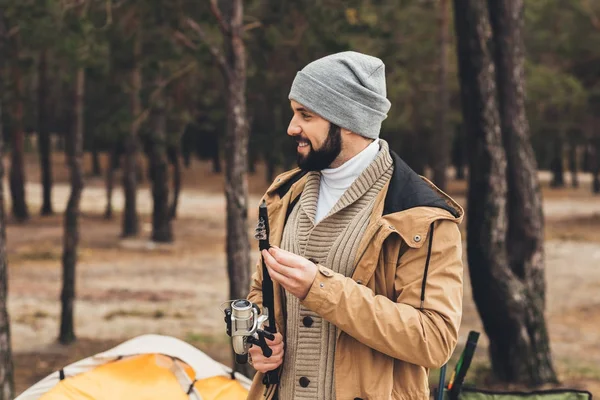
153	84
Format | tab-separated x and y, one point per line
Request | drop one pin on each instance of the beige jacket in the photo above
399	313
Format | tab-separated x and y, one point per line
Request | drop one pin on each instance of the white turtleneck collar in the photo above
335	181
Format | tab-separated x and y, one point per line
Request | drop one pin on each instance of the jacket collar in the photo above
408	204
412	203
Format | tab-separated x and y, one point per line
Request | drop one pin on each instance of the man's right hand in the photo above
264	364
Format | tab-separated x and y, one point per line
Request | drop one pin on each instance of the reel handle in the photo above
262	343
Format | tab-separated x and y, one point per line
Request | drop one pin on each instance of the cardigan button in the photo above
304	382
307	321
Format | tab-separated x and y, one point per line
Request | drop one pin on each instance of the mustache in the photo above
299	138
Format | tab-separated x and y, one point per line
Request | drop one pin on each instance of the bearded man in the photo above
367	256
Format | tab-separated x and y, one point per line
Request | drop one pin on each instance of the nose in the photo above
293	128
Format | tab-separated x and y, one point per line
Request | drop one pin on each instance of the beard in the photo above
317	160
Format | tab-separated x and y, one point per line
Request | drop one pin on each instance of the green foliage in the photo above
562	50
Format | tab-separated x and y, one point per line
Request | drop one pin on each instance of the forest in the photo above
138	137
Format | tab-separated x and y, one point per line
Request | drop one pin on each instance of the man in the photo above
366	256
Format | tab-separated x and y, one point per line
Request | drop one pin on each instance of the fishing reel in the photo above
245	326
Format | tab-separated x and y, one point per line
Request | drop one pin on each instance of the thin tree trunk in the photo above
459	153
270	170
6	362
96	168
236	160
596	166
557	167
130	217
71	236
236	174
440	145
44	135
110	181
414	155
17	167
175	160
520	350
161	221
573	164
216	159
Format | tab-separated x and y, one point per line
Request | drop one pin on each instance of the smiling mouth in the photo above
302	143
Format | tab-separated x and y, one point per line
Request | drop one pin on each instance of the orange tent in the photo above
149	367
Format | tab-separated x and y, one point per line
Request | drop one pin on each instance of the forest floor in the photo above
130	287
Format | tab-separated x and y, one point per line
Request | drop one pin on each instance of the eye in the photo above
305	115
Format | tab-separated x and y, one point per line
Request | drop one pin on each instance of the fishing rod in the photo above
244	319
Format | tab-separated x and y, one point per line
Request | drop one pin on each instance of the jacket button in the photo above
357	398
304	381
359	282
307	321
417	238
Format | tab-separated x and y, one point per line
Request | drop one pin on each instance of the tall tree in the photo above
159	173
82	37
508	284
174	156
232	63
521	350
17	162
440	145
44	134
74	153
113	164
130	216
6	363
574	134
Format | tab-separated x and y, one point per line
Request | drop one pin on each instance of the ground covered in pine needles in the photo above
129	287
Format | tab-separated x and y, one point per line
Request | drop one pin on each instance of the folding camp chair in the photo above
455	390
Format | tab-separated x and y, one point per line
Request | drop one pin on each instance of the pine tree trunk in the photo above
17	167
175	161
109	182
416	141
161	221
573	164
216	159
558	176
440	145
520	351
236	151
595	162
96	168
459	153
486	208
6	362
44	135
236	160
130	217
71	236
270	171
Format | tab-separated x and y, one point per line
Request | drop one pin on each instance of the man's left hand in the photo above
295	273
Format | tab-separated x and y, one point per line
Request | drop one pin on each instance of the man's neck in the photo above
350	149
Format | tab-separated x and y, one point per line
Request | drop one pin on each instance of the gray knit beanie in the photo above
347	89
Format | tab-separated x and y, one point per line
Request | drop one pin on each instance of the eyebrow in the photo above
301	109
